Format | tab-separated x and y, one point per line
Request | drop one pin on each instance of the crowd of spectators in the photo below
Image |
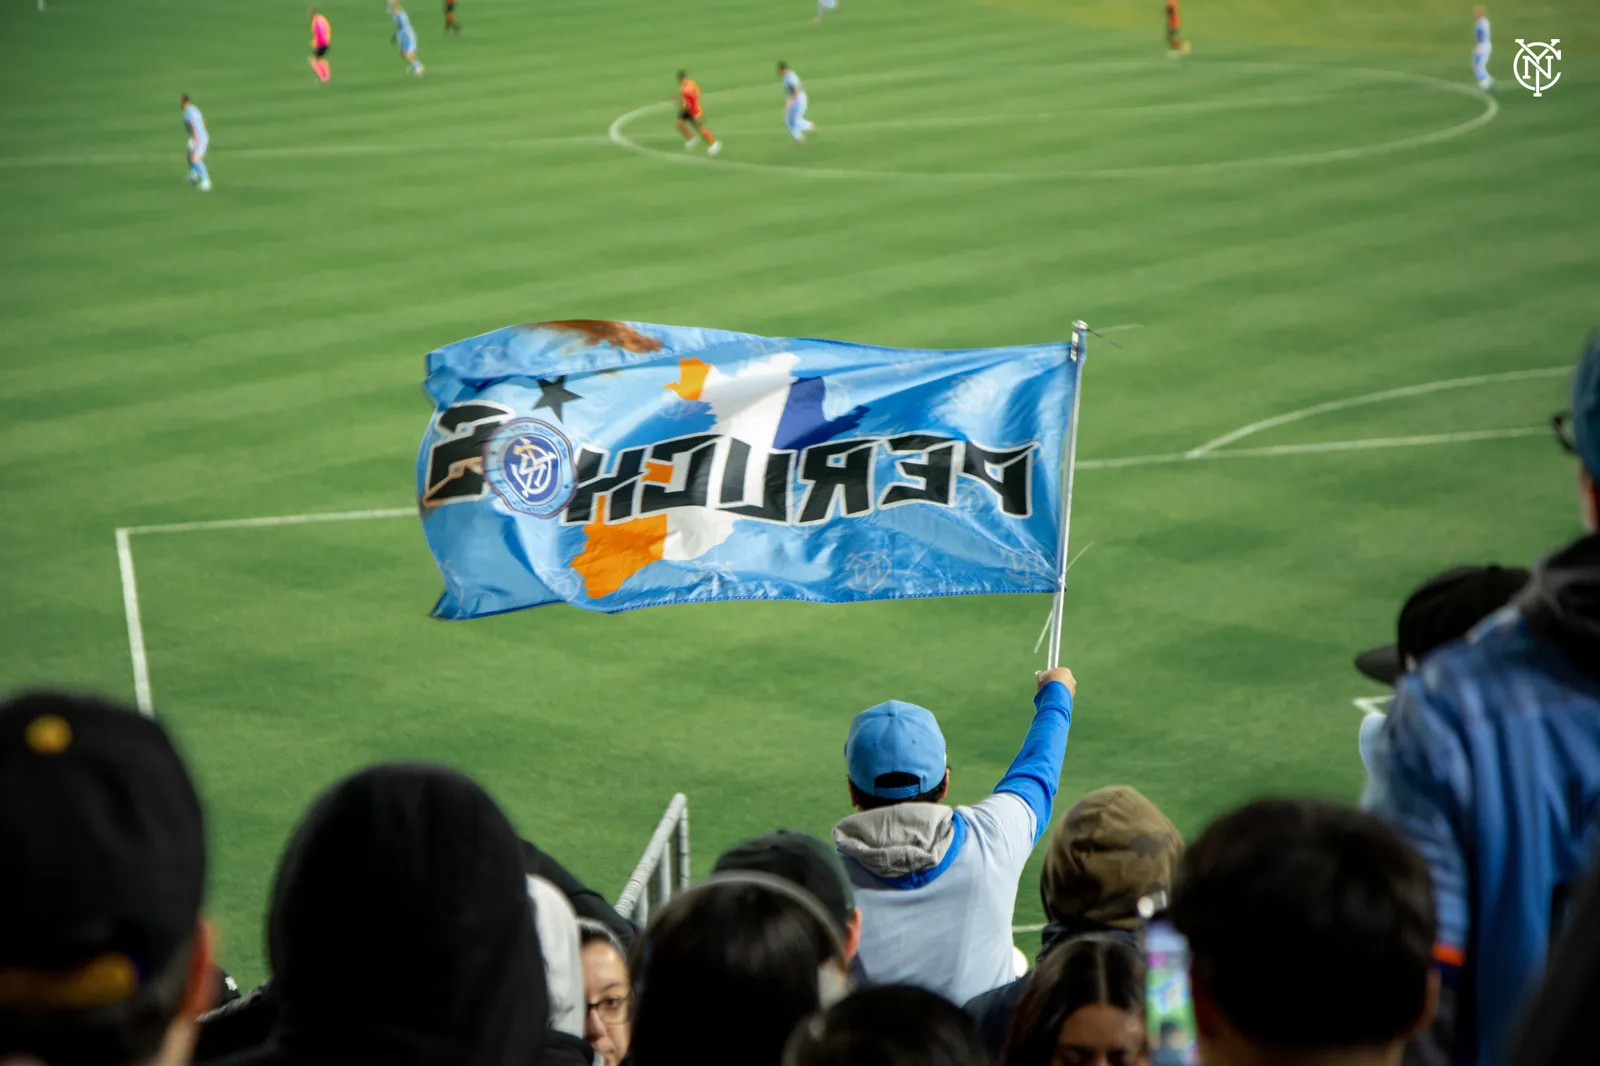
1452	918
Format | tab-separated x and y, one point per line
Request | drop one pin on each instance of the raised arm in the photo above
1036	771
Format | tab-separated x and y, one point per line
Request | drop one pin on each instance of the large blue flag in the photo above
618	465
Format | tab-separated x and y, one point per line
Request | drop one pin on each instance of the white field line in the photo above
1314	448
967	121
130	610
274	520
1366	443
1027	928
1491	108
130	591
1371	397
306	151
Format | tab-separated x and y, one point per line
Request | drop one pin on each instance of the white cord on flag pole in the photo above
1080	330
1046	630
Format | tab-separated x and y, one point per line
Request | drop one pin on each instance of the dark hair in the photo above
131	1031
682	74
729	970
892	1025
895	779
1281	881
1085	972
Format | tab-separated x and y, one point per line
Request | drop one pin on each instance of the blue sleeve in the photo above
1420	783
1036	771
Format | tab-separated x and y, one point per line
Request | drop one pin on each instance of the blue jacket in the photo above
1489	763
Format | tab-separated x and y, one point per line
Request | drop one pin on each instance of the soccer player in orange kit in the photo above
1176	46
689	115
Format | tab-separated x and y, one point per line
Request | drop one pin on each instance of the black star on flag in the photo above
554	393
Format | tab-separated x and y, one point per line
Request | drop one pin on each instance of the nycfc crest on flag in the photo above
617	465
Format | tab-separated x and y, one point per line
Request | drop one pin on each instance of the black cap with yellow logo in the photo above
103	846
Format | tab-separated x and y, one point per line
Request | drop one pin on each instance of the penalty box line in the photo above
130	591
1211	450
130	580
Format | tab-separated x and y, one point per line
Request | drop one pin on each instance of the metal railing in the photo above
663	869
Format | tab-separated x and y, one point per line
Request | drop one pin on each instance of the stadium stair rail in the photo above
663	869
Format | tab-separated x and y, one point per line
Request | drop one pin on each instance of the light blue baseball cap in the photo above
1586	407
895	738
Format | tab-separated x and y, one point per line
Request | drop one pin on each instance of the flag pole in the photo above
1076	351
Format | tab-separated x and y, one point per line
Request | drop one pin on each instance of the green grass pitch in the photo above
1312	207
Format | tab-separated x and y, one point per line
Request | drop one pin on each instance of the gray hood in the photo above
559	942
898	840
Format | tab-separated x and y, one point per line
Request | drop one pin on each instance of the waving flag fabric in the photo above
618	465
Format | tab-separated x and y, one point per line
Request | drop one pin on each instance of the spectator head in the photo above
413	873
1310	932
1444	608
104	959
803	860
1579	430
1111	849
895	754
892	1025
607	990
1084	1004
727	970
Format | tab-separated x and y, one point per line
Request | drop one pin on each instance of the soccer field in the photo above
1346	289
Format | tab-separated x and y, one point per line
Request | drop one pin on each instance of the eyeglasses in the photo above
1079	1055
613	1010
1562	424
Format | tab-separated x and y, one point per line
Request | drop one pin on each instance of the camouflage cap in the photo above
1111	848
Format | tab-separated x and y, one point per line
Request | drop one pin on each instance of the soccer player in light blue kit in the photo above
794	108
1481	49
405	38
195	124
823	7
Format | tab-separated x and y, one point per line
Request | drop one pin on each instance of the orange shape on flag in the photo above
612	554
691	378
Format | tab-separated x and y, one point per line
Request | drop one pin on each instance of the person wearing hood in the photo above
1489	762
936	885
560	943
585	901
400	931
1112	849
